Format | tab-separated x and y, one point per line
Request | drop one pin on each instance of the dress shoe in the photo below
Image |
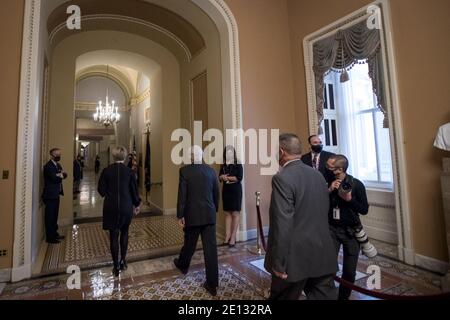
123	265
212	291
231	245
176	263
116	272
53	241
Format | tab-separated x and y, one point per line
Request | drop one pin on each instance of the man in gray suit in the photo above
198	202
300	253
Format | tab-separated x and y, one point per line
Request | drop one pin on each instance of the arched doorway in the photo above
227	51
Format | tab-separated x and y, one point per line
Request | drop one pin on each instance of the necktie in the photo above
315	166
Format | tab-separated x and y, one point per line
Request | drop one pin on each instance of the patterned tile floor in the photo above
87	244
239	279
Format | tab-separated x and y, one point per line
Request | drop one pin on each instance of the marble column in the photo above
445	184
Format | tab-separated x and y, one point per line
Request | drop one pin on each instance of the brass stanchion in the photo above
257	249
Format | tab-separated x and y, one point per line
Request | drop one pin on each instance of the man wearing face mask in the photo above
300	252
53	177
317	158
348	199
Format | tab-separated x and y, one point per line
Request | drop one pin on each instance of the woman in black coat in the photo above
231	175
118	186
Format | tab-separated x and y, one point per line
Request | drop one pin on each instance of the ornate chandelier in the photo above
107	114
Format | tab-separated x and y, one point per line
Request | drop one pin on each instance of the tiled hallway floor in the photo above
239	279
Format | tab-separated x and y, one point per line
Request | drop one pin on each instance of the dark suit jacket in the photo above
299	240
324	156
117	184
198	195
52	184
76	170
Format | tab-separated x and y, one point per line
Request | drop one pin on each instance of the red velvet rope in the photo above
371	293
385	296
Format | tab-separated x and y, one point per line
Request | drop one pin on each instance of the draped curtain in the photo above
340	52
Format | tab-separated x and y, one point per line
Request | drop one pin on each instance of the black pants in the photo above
208	234
116	236
351	250
321	288
51	218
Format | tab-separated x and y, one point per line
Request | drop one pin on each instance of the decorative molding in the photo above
98	17
5	275
395	120
381	234
170	212
382	205
228	29
91	106
141	97
431	264
114	75
25	144
226	24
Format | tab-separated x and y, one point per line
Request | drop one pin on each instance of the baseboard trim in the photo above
381	234
156	206
431	264
170	212
21	273
250	234
5	275
65	222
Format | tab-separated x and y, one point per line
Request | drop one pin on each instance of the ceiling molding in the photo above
175	31
140	98
113	74
92	106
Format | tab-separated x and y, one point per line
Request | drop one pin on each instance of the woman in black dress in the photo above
231	175
117	184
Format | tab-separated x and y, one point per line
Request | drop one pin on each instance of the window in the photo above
353	126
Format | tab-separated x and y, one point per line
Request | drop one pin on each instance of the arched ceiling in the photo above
147	19
126	78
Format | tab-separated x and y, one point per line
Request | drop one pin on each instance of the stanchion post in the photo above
256	249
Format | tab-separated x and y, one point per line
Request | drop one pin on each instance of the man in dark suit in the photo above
53	177
77	174
198	202
300	252
317	158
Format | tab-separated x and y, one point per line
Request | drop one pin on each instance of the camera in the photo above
367	248
346	186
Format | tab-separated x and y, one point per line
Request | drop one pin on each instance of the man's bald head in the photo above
291	144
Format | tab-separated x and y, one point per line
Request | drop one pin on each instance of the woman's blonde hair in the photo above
119	153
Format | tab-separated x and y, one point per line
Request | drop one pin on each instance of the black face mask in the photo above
317	148
57	159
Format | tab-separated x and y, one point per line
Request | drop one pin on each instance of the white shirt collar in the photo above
284	165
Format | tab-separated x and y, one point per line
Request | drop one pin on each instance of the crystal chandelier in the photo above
107	114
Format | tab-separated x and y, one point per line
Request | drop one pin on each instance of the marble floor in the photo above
152	275
241	277
88	204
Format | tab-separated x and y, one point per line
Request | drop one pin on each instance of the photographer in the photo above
348	199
